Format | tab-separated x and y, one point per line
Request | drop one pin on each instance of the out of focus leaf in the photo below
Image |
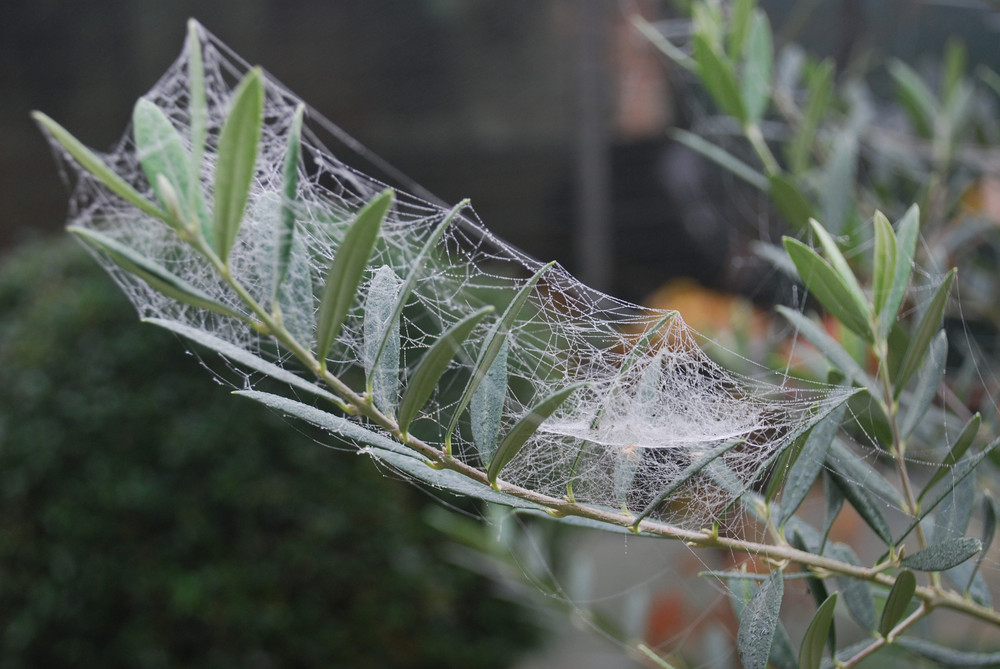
755	82
916	98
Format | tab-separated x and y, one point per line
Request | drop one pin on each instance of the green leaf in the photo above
197	106
237	157
906	245
857	594
525	428
161	152
158	277
779	471
833	502
817	635
916	98
790	201
928	326
829	287
928	383
656	38
989	528
286	227
433	365
348	268
382	379
839	181
419	469
839	264
721	157
820	94
944	555
948	657
954	69
952	517
831	348
491	345
242	356
855	481
717	74
486	406
958	473
89	161
416	266
759	621
756	80
342	427
810	463
884	261
739	25
962	443
689	472
898	601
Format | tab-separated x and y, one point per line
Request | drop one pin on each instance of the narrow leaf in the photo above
809	464
928	383
161	153
158	277
839	264
657	39
197	106
237	157
958	473
906	245
857	594
416	267
721	157
817	635
759	621
916	98
839	181
833	502
286	225
820	95
344	428
962	443
491	345
347	270
756	80
828	287
242	356
831	348
89	161
944	555
898	601
954	513
382	379
989	529
884	262
739	25
948	657
779	471
433	365
525	428
791	203
865	504
689	472
928	326
486	406
717	75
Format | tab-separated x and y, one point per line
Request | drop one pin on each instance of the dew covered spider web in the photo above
655	408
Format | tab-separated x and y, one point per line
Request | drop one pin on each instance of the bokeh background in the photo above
147	518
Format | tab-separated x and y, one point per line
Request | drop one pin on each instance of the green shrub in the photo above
152	520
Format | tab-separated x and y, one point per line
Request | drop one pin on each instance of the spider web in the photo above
654	403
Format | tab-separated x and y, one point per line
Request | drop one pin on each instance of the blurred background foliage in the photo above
151	520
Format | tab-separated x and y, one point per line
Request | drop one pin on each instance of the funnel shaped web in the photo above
651	405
